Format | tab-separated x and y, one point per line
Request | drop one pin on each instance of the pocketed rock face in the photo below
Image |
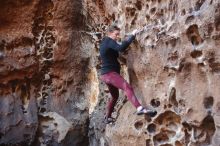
46	73
49	85
174	66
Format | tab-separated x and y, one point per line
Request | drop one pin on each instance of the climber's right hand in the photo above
134	32
137	31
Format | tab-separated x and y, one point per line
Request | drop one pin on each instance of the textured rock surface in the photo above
174	66
49	68
45	73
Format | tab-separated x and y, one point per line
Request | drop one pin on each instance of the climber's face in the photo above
114	35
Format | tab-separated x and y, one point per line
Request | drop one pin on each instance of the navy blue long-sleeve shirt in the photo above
109	52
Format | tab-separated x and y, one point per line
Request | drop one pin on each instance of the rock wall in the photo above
46	73
50	92
174	66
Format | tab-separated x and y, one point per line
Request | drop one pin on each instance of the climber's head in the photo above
113	32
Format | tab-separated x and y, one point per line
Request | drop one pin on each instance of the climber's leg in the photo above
114	93
118	81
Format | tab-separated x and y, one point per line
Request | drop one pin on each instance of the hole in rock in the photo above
208	102
189	19
153	10
167	117
178	143
173	42
208	123
151	128
199	4
25	112
186	67
193	35
165	106
187	137
147	6
182	102
160	13
201	64
187	126
215	66
189	111
160	138
147	17
196	53
45	94
207	129
50	39
147	118
45	119
155	102
47	55
49	49
113	17
42	110
138	4
138	125
172	97
217	22
169	105
47	82
130	11
148	142
183	12
166	145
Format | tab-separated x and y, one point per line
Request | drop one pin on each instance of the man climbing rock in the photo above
110	72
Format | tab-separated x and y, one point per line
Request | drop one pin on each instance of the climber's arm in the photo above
124	45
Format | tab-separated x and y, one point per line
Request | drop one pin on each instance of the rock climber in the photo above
110	71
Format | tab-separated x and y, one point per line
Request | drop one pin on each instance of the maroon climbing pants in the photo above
114	82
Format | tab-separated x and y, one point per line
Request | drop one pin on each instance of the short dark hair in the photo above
113	28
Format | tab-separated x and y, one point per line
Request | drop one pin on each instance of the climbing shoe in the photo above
109	120
150	112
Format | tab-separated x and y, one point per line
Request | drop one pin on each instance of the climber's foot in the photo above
109	120
150	112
